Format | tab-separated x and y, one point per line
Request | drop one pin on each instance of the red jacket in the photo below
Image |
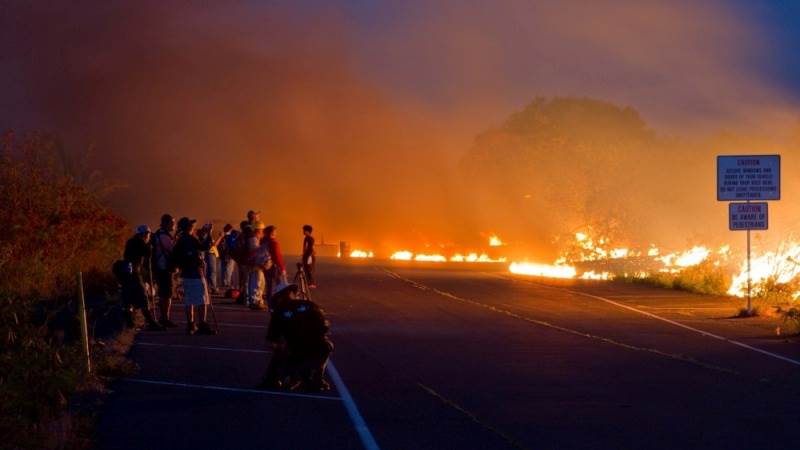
275	254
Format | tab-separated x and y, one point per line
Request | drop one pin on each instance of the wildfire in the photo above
542	270
691	257
361	254
402	255
494	241
430	258
780	266
474	257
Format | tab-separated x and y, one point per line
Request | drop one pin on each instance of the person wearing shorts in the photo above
188	253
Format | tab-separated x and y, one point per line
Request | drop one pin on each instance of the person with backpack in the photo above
240	254
277	273
129	273
163	242
188	258
298	334
210	256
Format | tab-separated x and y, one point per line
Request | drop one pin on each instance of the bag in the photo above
161	259
120	269
240	253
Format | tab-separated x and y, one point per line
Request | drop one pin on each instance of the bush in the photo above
53	225
704	278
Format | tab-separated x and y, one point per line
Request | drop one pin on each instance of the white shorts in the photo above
195	291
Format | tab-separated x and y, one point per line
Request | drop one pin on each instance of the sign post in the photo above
748	177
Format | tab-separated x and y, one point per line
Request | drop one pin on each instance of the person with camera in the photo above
163	241
277	274
134	290
258	263
298	334
188	255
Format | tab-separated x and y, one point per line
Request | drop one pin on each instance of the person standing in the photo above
309	256
134	293
164	271
188	257
256	264
226	255
210	256
278	271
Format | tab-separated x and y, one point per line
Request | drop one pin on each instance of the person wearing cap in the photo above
188	257
163	241
298	334
257	263
134	292
253	217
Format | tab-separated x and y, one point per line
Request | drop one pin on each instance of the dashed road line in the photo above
471	416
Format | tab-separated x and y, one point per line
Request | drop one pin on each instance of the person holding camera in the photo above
188	254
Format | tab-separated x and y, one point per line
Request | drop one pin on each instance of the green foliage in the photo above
52	226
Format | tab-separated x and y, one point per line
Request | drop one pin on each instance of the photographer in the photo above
188	257
134	293
298	334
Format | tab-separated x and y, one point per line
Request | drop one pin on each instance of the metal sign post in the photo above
748	177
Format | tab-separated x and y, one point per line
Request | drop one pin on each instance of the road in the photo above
458	356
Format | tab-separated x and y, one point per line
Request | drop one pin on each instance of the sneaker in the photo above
166	323
205	329
191	328
155	326
258	307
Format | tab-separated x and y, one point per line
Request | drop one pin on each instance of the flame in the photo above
430	258
361	254
542	270
402	255
494	241
782	266
592	275
691	257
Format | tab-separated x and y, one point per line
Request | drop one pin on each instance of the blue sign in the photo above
749	177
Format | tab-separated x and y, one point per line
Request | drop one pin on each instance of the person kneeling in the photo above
298	333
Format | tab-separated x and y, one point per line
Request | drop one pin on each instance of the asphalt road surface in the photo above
458	356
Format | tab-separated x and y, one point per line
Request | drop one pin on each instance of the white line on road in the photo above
222	349
669	321
352	410
696	330
230	389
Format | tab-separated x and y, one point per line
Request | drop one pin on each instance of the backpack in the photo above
158	252
240	252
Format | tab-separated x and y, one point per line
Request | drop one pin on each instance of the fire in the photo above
361	254
691	257
592	275
542	270
494	241
782	266
430	258
402	255
474	257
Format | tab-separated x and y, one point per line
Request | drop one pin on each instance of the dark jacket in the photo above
188	256
301	323
136	253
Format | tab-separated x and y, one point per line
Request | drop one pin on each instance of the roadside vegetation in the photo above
704	278
53	225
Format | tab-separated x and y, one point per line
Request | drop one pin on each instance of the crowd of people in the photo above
180	261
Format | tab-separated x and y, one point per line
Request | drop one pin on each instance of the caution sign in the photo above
748	216
742	177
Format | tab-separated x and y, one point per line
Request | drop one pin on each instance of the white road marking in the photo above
231	389
197	347
671	322
352	410
687	327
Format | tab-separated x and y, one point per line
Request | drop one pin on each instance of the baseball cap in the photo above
141	229
185	222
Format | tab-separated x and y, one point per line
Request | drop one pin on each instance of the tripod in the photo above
301	281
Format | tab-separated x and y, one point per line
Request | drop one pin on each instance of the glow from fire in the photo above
494	241
691	257
430	258
542	270
781	266
592	275
361	254
402	255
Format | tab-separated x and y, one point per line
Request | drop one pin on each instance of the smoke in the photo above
357	121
